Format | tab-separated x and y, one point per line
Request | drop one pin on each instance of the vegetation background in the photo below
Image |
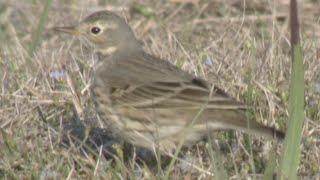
240	45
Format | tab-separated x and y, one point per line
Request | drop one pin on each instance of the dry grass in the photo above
242	46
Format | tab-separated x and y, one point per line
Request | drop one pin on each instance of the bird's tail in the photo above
236	119
253	127
266	131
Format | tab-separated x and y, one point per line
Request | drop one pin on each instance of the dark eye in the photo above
95	30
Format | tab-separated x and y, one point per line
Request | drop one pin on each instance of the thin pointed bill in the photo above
69	30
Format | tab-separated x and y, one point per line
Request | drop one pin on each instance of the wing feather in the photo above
144	81
175	95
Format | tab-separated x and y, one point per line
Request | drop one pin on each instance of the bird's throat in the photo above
107	51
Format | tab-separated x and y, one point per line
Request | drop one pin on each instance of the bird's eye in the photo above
95	30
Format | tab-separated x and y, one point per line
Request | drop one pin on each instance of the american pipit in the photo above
149	101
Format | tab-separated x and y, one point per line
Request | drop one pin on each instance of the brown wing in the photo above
183	95
144	81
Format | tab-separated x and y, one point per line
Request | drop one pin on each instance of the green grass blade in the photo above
291	154
271	166
36	36
216	158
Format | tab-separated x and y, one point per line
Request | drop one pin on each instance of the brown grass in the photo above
242	46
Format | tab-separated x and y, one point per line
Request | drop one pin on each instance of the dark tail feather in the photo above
269	132
237	120
254	127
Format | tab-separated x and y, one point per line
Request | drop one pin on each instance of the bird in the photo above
150	102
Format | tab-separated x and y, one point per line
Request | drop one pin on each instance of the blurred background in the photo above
240	45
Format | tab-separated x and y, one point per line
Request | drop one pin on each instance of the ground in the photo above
241	46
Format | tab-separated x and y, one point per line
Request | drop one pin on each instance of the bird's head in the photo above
105	31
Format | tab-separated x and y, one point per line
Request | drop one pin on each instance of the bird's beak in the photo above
73	30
